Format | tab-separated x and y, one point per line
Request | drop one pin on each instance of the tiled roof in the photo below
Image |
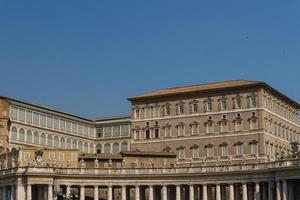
199	87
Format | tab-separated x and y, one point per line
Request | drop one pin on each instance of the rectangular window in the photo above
14	113
224	127
74	128
107	131
137	135
49	121
209	106
61	156
155	111
137	114
181	153
28	116
51	155
209	152
194	129
125	130
62	125
222	105
68	127
253	148
74	157
180	131
167	110
238	150
43	120
237	103
36	119
22	115
56	123
195	152
80	129
147	134
209	128
27	156
100	132
194	108
86	130
167	131
253	124
116	131
179	110
224	150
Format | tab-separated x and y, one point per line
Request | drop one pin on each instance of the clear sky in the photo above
87	56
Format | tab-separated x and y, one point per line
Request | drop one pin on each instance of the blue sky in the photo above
87	57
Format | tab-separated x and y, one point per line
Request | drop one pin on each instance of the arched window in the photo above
22	135
50	140
124	146
36	138
29	136
43	139
56	141
68	143
92	148
99	148
116	147
80	147
86	147
62	143
107	148
14	133
74	144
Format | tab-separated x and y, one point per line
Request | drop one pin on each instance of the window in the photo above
155	111
62	125
223	127
156	133
49	121
167	131
35	118
147	134
180	130
51	156
74	157
181	153
107	131
36	138
61	156
237	103
29	137
124	146
116	147
195	151
253	148
56	123
49	140
194	108
209	105
14	133
253	124
107	148
209	151
238	149
22	115
116	131
137	114
224	150
222	104
99	148
68	127
43	120
238	125
56	141
209	128
27	156
167	110
137	135
14	113
179	109
125	130
22	135
252	101
194	128
100	132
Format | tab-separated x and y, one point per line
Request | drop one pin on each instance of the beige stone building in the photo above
231	140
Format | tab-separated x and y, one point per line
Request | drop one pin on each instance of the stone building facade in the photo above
227	140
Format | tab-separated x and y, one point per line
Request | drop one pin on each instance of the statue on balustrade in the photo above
96	163
151	164
39	157
82	163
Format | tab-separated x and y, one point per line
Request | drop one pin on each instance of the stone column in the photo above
192	193
110	193
204	192
284	190
278	190
257	191
137	192
151	192
28	192
218	192
96	192
178	192
245	197
124	192
50	192
82	195
165	192
231	191
4	193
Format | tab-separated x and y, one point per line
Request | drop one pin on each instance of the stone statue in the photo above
164	163
203	161
151	164
136	163
69	164
123	164
4	165
39	157
229	160
82	163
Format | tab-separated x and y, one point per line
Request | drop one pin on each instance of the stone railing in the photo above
145	171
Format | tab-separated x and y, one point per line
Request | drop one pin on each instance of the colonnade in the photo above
279	190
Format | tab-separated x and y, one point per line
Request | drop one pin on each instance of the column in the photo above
96	192
137	192
204	192
28	192
284	190
164	191
50	192
231	191
245	197
270	190
151	192
192	192
123	192
178	192
4	193
278	190
257	192
82	195
218	192
110	193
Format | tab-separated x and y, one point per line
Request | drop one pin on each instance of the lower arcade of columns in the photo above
280	183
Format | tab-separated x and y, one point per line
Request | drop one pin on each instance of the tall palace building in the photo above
231	140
